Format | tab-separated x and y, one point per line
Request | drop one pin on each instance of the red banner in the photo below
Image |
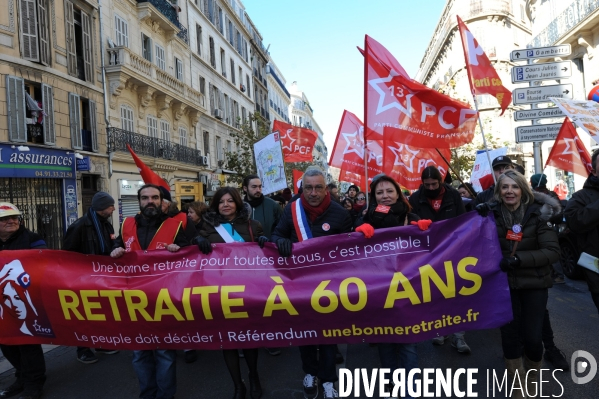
147	174
482	76
297	180
297	142
405	164
568	152
406	111
241	296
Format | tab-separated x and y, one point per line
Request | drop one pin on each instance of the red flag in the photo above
297	142
405	164
147	174
407	111
568	152
297	180
482	76
348	152
353	178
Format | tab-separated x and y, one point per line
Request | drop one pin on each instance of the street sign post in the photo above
526	134
541	52
541	94
539	113
542	71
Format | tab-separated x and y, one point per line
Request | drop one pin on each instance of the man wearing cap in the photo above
152	229
499	165
92	234
28	360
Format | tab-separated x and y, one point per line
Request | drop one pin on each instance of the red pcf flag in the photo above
297	142
353	178
568	152
405	164
406	111
147	174
482	76
297	180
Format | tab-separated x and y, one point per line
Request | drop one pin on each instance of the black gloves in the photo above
203	244
284	245
262	240
482	209
509	263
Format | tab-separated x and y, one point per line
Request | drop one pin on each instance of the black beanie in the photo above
101	201
431	172
166	194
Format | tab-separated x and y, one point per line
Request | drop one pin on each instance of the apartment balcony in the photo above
153	147
578	16
164	14
127	68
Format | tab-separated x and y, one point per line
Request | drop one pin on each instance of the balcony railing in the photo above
169	11
153	147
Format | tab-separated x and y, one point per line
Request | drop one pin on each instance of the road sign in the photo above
541	94
541	52
542	71
537	132
539	113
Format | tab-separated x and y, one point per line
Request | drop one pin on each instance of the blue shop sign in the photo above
29	161
83	164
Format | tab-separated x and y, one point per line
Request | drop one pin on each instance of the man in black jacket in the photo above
499	165
325	217
265	210
437	201
582	216
92	234
28	360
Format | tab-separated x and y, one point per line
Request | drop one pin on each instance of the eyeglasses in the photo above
5	219
361	198
318	188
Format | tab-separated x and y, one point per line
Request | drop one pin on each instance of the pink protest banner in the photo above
402	285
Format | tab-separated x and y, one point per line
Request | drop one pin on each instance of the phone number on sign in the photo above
52	173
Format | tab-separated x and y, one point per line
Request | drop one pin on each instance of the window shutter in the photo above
75	121
87	47
48	106
42	19
28	27
92	125
15	107
70	38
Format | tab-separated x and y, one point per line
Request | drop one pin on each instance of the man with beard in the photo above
92	234
437	201
313	214
264	209
150	230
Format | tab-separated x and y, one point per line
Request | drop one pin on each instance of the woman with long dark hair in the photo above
228	220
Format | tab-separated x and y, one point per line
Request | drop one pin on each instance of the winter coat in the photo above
451	205
334	220
268	214
582	216
484	196
82	237
248	229
23	239
146	230
539	247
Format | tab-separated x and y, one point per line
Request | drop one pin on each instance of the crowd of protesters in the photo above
524	214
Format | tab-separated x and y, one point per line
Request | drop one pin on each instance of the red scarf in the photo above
315	211
436	202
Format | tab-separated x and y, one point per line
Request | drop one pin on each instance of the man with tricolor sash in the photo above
312	215
152	229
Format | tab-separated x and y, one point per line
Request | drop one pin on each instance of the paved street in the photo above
574	317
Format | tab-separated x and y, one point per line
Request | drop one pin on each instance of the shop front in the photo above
186	192
128	203
41	182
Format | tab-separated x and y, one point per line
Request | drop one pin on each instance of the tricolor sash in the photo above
300	221
226	235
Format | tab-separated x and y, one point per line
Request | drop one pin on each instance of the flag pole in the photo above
480	124
456	174
366	170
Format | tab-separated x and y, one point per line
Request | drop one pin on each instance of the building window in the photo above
229	147
78	43
127	122
165	130
243	115
219	149
202	85
247	82
152	126
121	31
227	113
146	47
212	53
206	140
199	39
33	29
183	136
222	63
219	21
230	33
160	58
232	71
179	68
